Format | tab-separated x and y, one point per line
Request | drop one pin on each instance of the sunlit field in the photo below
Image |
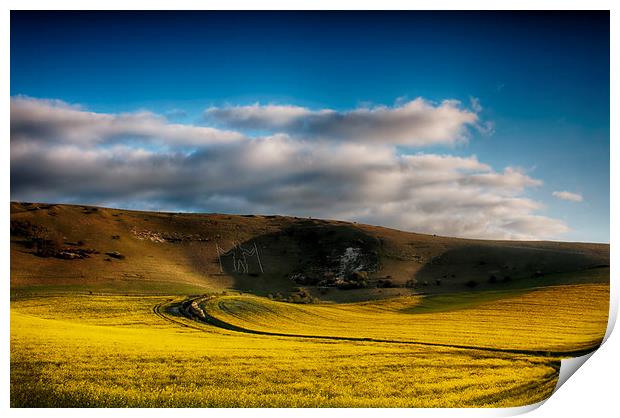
559	319
100	350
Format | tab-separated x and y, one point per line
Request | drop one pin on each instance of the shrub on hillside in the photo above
385	283
301	296
46	243
47	247
411	283
348	284
358	276
26	229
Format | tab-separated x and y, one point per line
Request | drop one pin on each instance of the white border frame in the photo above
591	391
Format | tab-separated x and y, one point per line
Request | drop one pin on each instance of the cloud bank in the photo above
572	197
319	168
414	123
54	122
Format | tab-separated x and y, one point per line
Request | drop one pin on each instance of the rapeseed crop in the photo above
117	351
561	319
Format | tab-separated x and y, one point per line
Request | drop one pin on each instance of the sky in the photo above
470	124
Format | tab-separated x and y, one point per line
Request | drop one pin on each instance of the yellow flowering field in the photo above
116	351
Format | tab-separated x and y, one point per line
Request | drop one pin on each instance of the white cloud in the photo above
139	160
54	120
511	179
414	123
572	197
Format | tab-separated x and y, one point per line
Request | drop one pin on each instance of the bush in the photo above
302	296
385	283
471	284
47	247
358	276
26	229
348	285
438	282
411	283
492	279
46	243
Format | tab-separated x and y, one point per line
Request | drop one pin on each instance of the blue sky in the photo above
541	80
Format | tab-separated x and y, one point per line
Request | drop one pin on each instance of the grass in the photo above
285	247
114	351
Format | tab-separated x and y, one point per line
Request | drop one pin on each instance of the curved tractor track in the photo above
190	309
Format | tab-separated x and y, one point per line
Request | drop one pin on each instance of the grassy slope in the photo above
286	244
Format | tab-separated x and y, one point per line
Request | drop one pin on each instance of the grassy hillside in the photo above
178	253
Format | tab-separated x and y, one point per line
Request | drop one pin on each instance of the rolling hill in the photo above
70	247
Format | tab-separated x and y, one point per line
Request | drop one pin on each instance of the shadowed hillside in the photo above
66	247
